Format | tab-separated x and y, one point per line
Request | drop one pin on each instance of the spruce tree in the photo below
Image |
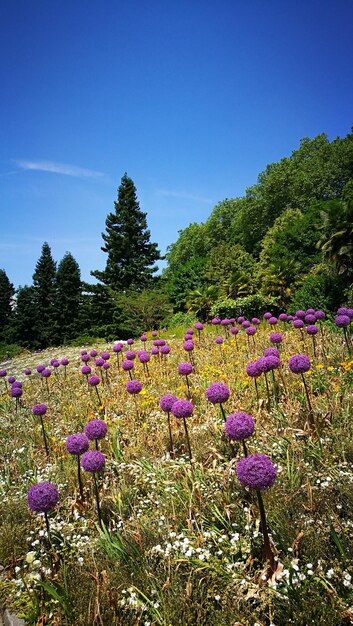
44	283
7	293
26	318
131	255
68	297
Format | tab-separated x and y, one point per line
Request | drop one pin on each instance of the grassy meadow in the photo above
180	541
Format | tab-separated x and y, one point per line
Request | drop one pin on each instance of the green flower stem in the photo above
97	501
268	551
171	446
44	436
187	437
79	476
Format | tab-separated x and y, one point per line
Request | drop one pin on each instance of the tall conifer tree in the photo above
7	293
131	255
68	297
44	283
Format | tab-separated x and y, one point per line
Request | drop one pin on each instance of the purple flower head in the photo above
16	392
39	409
342	321
143	338
300	314
256	471
185	368
77	444
42	497
40	368
271	352
251	330
165	349
27	371
159	342
219	340
17	383
85	358
276	338
217	393
350	313
262	364
310	311
215	321
299	363
99	362
130	342
167	401
182	408
46	373
267	315
83	352
143	356
189	331
154	350
290	318
11	380
94	380
298	323
65	361
239	426
93	353
252	369
127	366
86	370
255	321
246	324
320	315
130	355
54	363
312	329
272	363
106	365
154	333
105	356
93	461
134	387
198	326
187	337
241	319
188	346
96	429
310	318
272	321
282	317
225	322
117	348
231	320
342	311
3	373
234	330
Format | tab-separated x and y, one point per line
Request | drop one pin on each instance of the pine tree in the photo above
44	283
7	293
131	255
68	297
26	318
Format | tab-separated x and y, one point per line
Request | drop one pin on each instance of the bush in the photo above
249	306
320	291
84	340
9	350
181	319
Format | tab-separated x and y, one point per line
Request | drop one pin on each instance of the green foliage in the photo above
200	301
231	269
68	297
9	350
255	304
190	243
26	317
181	319
336	242
7	293
321	289
44	285
138	311
188	277
131	255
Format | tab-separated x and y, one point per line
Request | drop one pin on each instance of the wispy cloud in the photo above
58	168
183	195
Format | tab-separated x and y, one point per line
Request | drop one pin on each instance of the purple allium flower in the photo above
93	353
134	387
252	369
215	321
272	363
130	342
189	331
310	311
276	338
46	373
117	347
143	356
159	342
42	497
342	311
239	426
188	346
86	370
143	338
65	361
182	408
16	392
127	366
187	337
225	322
40	368
272	321
310	318
300	314
154	333
130	355
77	444
219	340
342	321
312	329
241	319
255	321
27	371
282	317
231	320
234	330
217	393
245	324
83	352
17	383
39	409
106	365
263	364
93	461
154	350
299	363
94	380
99	362
165	349
167	401
350	313
185	368
267	315
54	363
251	330
3	373
290	318
272	352
198	326
256	471
96	429
320	315
85	358
105	355
11	380
298	323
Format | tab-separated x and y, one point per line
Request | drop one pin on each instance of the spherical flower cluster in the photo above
42	497
154	333
93	353
198	326
16	392
39	409
310	318
3	373
234	330
253	370
185	368
143	356
312	329
255	321
93	461
217	393
105	355
189	331
256	471
96	429
272	362
310	311
130	342
299	363
106	365
85	358
11	380
282	317
155	350
267	315
239	426
276	338
134	387
342	311
300	314
225	322
99	362
272	321
165	349
83	352
240	319
271	352
219	340
130	355
342	321
40	368
17	383
27	371
320	315
245	324
143	338
86	370
77	444
94	380
188	345
127	366
250	331
46	373
55	363
298	323
65	361
167	401
215	321
182	408
117	347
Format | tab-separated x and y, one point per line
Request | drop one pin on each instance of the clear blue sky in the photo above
192	98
